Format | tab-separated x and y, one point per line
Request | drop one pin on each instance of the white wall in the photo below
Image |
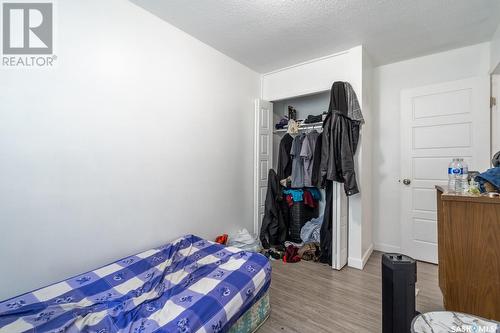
139	135
388	81
367	147
495	51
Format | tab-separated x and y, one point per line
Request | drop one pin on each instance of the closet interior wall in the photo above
314	104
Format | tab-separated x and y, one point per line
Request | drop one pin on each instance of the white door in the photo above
263	155
339	227
438	122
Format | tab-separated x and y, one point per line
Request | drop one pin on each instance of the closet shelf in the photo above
302	127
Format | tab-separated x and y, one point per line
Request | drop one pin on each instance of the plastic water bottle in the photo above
465	176
458	171
451	176
453	172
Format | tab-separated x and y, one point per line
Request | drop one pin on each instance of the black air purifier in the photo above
399	274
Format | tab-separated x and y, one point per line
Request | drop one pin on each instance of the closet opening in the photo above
295	137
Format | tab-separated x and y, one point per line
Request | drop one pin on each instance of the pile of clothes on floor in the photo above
308	249
294	252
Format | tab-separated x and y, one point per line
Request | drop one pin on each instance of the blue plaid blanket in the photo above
189	285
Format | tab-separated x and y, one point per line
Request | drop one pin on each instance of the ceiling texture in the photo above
270	34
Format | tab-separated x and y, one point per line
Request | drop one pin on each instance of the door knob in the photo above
406	181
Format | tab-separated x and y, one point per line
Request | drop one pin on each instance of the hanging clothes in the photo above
339	149
273	230
307	154
353	108
316	173
339	142
353	113
284	158
338	99
297	161
326	227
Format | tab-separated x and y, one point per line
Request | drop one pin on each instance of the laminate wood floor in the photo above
311	297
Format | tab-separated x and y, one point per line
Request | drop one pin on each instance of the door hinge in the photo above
493	101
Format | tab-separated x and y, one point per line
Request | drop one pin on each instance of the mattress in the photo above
189	285
254	318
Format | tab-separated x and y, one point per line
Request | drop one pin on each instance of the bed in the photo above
189	285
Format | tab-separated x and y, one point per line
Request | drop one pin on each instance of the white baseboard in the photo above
387	248
355	263
367	255
359	263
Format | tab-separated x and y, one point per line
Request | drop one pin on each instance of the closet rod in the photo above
302	127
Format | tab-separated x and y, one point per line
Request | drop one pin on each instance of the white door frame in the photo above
263	151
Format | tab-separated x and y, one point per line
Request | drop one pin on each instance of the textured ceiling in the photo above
271	34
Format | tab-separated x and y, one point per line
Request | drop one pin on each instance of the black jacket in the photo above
273	230
339	142
316	171
284	158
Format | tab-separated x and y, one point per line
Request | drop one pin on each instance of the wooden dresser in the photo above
469	253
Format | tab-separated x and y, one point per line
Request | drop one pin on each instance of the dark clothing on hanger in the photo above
297	161
344	99
316	173
326	227
337	153
307	154
355	128
339	142
353	108
338	98
284	158
273	230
